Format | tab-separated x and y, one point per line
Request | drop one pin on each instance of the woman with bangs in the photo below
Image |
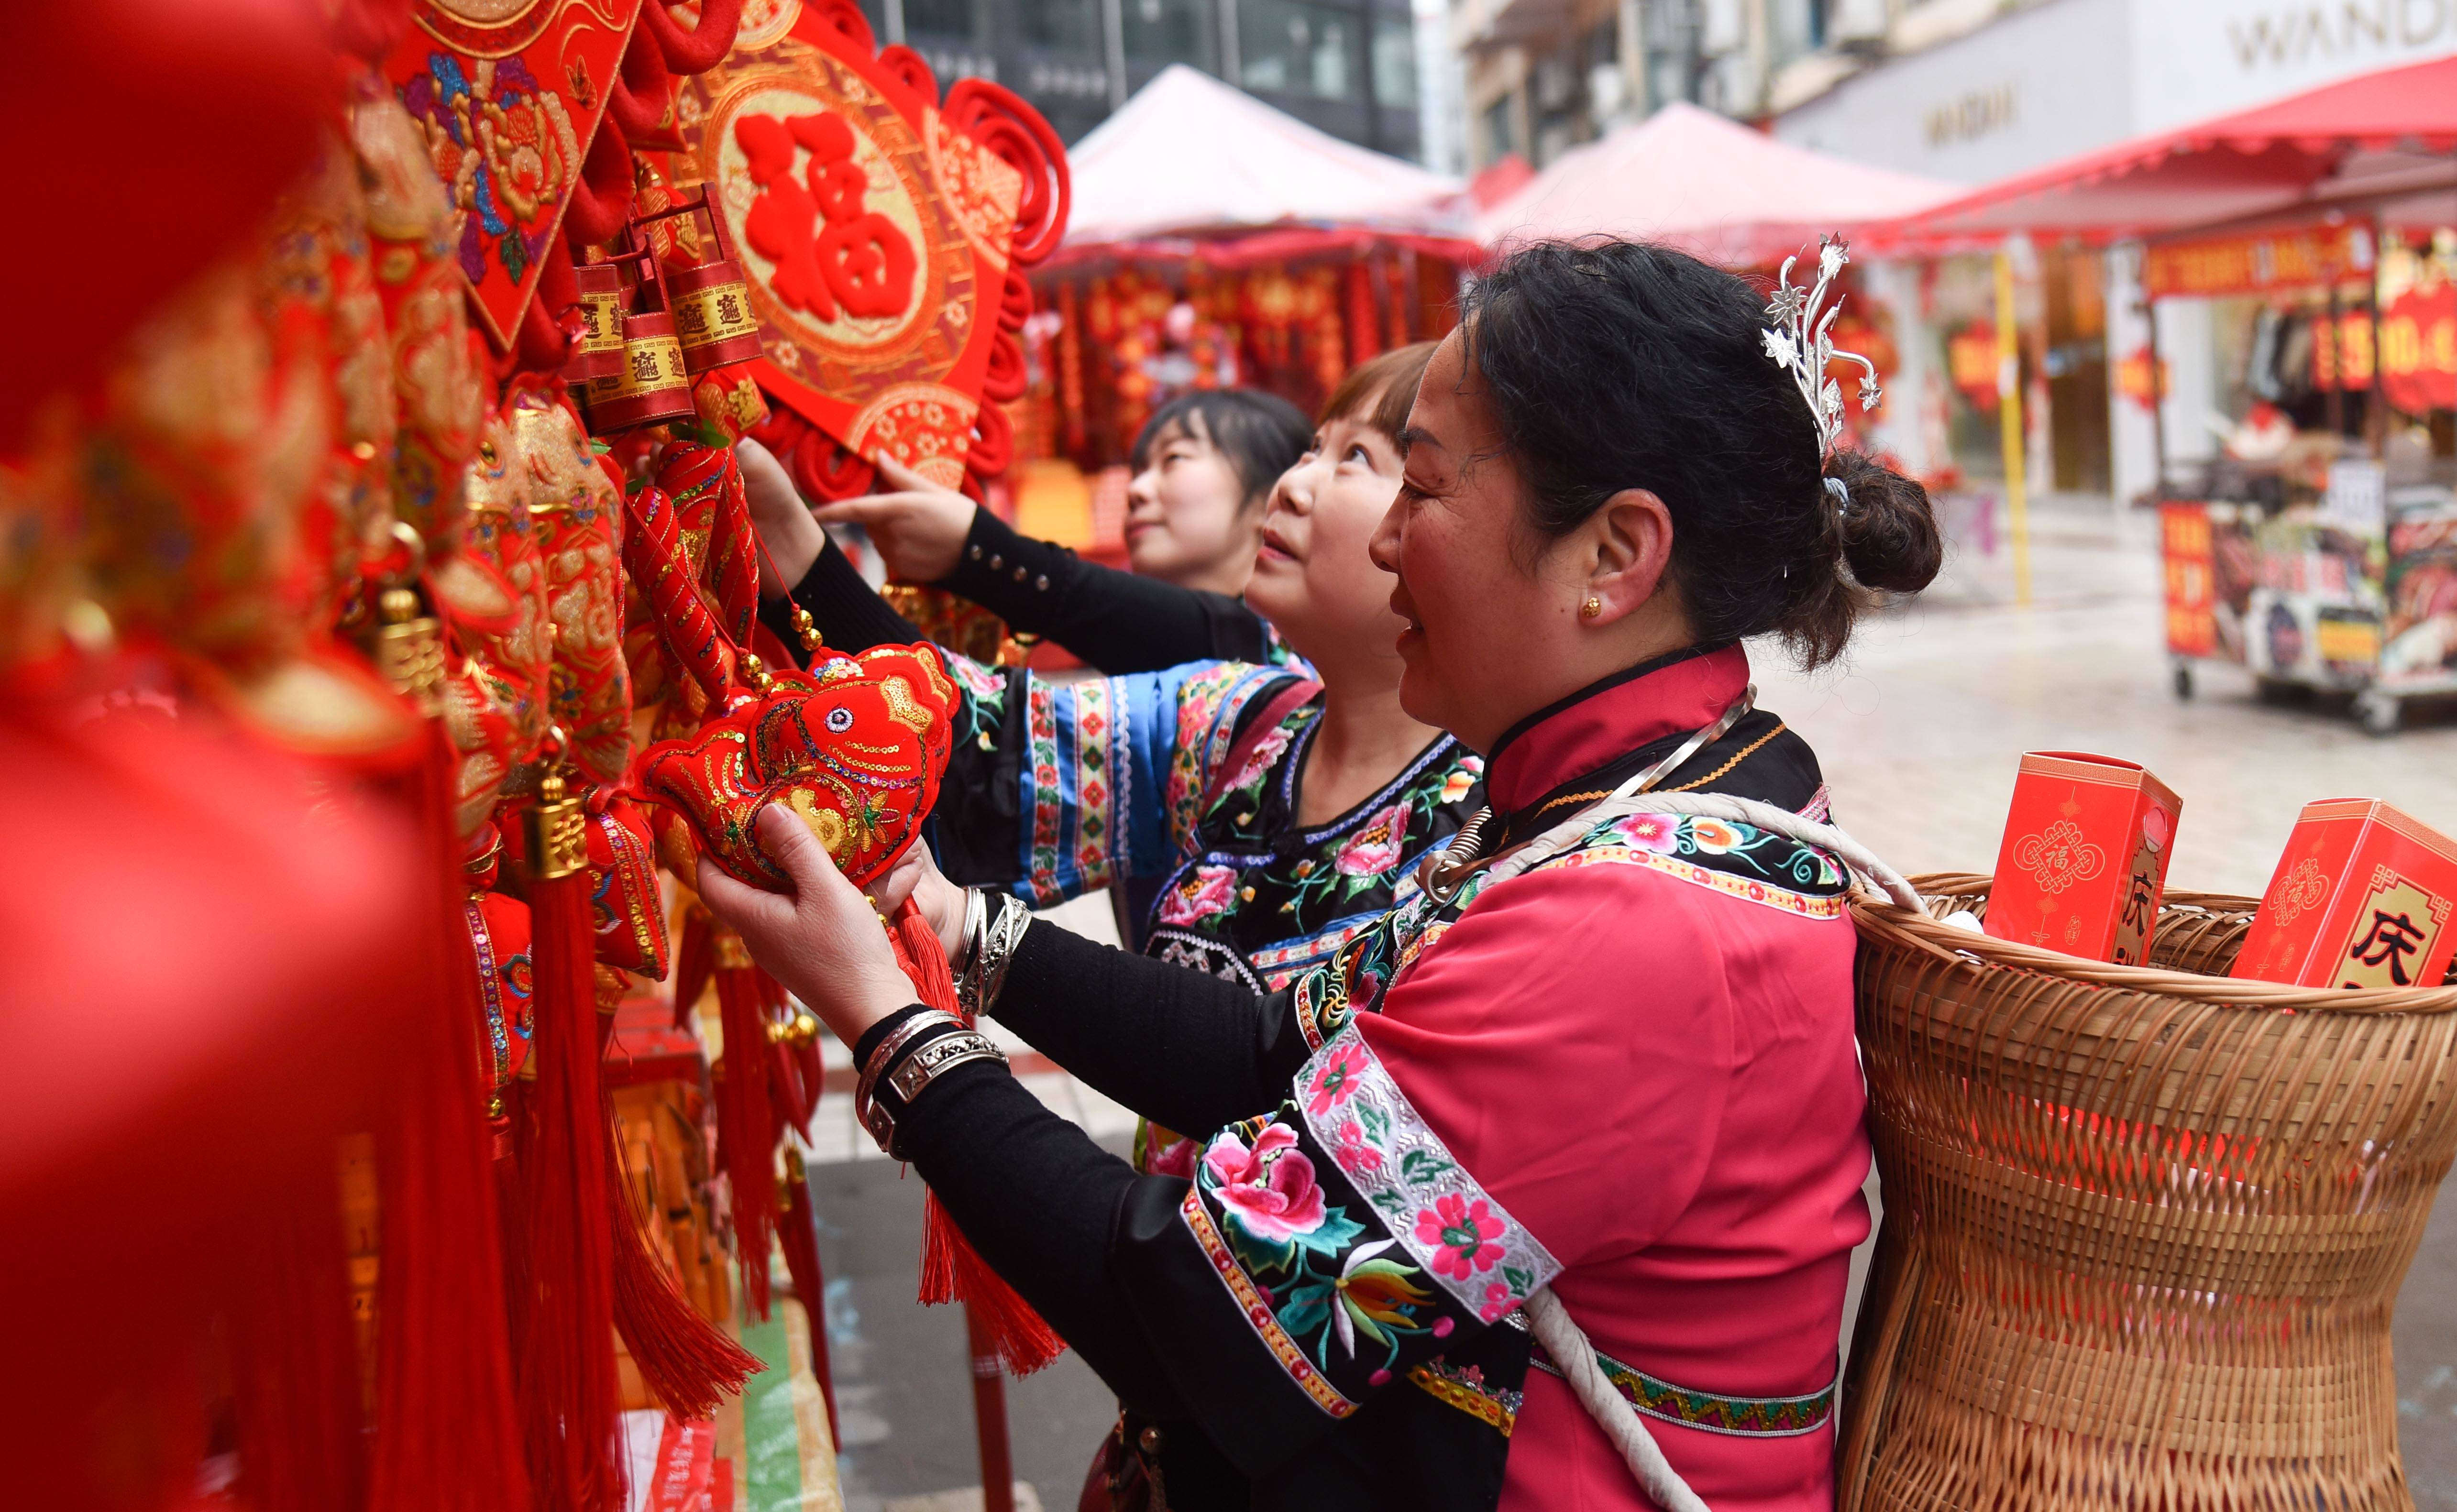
1269	813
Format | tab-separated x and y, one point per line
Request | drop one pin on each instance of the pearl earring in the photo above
1592	607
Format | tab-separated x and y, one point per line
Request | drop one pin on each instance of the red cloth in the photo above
1655	1077
1580	736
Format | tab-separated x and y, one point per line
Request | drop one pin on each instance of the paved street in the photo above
1919	734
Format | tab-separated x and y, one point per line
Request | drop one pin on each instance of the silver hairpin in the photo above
1801	320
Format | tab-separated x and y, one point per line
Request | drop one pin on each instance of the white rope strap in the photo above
1567	1344
1547	1319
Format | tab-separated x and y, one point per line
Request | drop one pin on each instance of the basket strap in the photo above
1712	805
1567	1344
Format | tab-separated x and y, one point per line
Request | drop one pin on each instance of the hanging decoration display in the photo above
1123	330
407	526
882	233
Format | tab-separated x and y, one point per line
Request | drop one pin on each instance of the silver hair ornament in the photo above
1801	321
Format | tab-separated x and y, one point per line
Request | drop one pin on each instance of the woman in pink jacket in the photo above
1625	1072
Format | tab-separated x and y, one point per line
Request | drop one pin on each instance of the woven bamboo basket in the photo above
2144	1225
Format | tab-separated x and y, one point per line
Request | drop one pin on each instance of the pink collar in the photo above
1683	691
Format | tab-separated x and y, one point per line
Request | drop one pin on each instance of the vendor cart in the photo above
2306	595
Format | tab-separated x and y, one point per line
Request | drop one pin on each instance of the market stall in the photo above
1217	242
2315	239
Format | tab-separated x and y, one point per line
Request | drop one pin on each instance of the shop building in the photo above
2032	84
1348	66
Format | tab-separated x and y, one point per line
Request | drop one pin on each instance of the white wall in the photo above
2039	85
2213	56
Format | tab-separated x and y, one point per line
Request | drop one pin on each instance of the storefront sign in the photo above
2288	259
2418	350
1970	357
2185	555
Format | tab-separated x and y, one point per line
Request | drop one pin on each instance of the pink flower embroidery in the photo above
1271	1187
1498	1300
1199	897
1334	1080
1267	750
1175	1158
1356	1156
1374	849
1461	1235
1656	832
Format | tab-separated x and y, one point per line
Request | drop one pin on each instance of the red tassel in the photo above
295	1359
745	1117
951	1271
569	1390
683	1356
446	1437
798	1236
692	963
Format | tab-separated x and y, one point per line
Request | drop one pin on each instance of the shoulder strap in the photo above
1292	696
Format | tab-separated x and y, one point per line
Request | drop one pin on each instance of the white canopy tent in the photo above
1189	153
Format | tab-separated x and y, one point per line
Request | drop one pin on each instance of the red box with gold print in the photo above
2085	856
2360	898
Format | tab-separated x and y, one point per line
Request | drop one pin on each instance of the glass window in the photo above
1171	32
1294	48
1071	25
1395	62
1499	140
964	20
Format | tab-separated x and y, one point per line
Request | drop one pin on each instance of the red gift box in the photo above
2360	898
2085	856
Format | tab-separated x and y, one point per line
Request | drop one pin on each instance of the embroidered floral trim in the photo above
1048	796
1740	1417
1478	1252
1098	732
1751	889
1470	1393
1258	1311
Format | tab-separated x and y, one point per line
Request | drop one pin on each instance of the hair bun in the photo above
1889	537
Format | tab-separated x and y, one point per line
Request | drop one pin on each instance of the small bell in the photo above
652	386
711	302
599	352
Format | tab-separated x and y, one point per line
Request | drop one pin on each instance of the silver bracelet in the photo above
969	942
918	1069
998	942
865	1107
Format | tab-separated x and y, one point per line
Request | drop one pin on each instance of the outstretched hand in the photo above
918	526
825	940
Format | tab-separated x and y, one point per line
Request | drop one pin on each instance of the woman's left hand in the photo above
824	940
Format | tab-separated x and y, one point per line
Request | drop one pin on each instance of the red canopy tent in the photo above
2380	141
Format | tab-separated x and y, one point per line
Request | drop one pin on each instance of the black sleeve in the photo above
848	611
1115	621
1038	1200
1182	1049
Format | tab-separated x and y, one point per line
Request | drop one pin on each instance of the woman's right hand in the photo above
918	528
791	538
